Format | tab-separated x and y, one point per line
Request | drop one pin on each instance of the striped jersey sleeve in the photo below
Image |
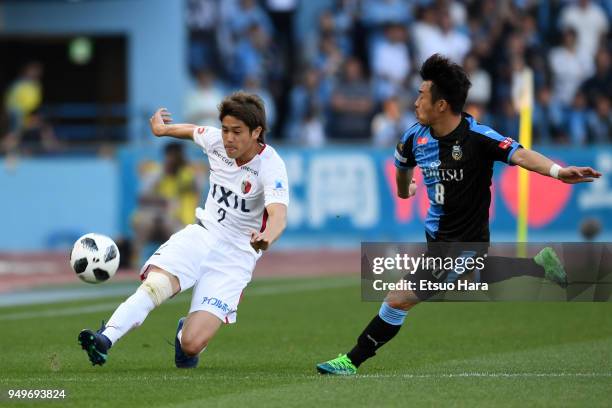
404	156
495	146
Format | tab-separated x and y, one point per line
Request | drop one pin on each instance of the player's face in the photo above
237	139
424	110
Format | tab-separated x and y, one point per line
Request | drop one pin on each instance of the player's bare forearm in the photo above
406	186
277	221
534	161
161	125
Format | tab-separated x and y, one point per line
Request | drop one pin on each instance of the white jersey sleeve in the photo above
275	181
204	136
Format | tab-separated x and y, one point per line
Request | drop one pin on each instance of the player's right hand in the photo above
259	241
159	121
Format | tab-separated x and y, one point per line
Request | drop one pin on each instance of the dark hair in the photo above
173	147
448	81
247	107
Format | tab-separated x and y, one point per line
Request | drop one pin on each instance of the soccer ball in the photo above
94	258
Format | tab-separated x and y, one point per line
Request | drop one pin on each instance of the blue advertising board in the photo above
341	196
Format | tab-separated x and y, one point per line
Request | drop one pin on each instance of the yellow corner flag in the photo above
524	103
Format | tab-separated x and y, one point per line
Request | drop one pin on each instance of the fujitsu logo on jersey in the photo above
229	198
444	174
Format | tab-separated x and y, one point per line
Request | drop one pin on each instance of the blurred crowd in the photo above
352	76
333	71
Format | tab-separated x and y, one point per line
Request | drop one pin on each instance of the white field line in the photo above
487	375
257	291
319	377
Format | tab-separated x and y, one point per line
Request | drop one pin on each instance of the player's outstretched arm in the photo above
161	125
277	221
534	161
406	186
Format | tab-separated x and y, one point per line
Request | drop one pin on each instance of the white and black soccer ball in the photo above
94	258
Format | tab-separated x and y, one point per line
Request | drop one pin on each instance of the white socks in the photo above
129	315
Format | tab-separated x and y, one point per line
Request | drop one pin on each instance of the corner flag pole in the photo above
525	106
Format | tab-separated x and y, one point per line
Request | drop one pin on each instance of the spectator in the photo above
327	29
282	13
311	96
202	20
570	66
577	120
457	12
201	103
329	59
480	91
546	119
601	81
435	33
391	59
426	34
254	56
167	199
249	14
28	132
389	125
455	44
345	14
529	28
520	71
589	21
599	121
352	105
311	131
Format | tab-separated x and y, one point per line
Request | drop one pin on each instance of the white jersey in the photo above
238	195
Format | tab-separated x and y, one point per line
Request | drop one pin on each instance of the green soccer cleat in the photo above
340	365
553	268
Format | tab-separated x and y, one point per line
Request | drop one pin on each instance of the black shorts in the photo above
445	265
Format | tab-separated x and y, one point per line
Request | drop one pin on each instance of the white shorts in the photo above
217	267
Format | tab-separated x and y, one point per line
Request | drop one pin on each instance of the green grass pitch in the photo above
458	354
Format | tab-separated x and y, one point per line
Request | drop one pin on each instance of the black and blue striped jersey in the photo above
457	171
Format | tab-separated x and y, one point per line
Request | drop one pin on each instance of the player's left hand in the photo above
573	174
412	189
259	241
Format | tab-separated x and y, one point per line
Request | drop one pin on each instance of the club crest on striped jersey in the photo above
457	153
246	186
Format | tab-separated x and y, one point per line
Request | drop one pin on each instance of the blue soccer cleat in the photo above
95	344
181	359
